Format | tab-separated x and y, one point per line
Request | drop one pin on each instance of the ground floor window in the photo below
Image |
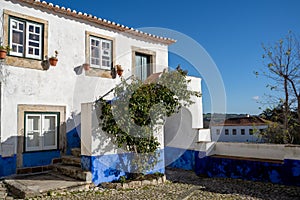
41	131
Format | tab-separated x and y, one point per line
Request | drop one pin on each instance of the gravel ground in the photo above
186	185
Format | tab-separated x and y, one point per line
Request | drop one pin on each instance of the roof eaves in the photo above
100	21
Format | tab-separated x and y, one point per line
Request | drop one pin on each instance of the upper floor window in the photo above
250	131
26	38
226	132
242	131
233	131
100	53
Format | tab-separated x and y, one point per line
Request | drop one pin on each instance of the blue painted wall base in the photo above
73	140
8	165
287	173
108	168
181	158
33	159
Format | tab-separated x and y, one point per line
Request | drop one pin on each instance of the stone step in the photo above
71	160
74	172
76	152
3	191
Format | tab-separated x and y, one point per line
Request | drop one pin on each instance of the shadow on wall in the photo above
73	133
179	140
8	158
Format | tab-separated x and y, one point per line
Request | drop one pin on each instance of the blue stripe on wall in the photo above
33	159
107	168
181	158
287	173
8	165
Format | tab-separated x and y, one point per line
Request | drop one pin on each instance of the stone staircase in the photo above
3	191
71	166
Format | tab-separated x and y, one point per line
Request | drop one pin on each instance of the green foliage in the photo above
133	118
276	133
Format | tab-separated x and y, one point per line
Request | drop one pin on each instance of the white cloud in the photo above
255	98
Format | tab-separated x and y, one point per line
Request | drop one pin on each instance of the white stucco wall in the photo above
263	151
238	137
182	129
60	85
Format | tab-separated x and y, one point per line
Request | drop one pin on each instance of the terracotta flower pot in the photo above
53	61
120	72
3	54
86	67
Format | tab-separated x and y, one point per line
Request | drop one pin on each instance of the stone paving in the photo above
185	185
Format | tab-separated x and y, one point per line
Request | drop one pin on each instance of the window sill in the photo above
96	72
23	62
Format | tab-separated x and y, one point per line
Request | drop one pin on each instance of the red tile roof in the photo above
95	19
243	121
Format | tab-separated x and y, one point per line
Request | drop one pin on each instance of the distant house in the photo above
241	129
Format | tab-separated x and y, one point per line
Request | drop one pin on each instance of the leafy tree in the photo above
282	61
138	109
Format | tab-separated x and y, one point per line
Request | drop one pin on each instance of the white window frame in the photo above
26	39
41	131
102	51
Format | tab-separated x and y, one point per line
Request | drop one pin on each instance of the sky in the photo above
230	31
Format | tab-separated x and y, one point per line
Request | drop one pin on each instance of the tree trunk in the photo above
298	109
286	111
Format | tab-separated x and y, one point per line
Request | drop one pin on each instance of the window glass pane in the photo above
34	37
31	27
21	27
17	37
14	24
33	131
37	29
36	52
20	49
234	132
34	44
49	138
95	52
30	50
49	130
32	139
226	132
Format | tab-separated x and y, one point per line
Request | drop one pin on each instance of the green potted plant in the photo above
53	60
3	51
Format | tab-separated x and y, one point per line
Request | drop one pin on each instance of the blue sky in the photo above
231	31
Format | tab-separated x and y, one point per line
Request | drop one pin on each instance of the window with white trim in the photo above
25	38
100	53
41	131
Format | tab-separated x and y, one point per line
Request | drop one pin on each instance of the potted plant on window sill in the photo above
3	51
53	60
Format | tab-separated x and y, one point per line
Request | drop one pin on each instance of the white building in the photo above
40	107
243	129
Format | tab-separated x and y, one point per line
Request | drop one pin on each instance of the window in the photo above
226	132
218	131
100	53
250	131
233	131
25	38
142	66
261	130
41	131
242	131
